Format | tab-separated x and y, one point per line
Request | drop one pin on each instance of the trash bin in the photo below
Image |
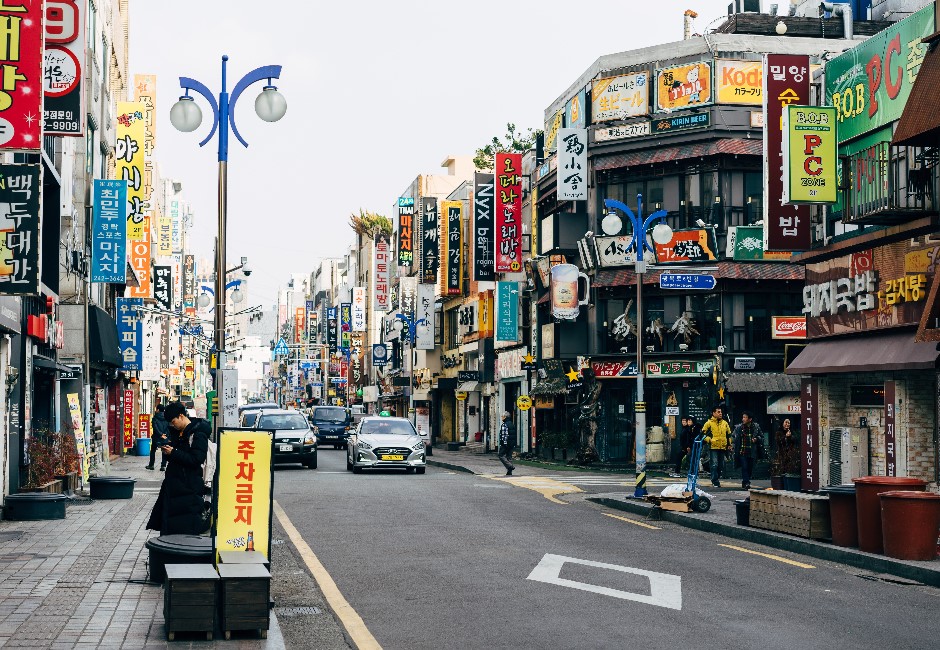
910	521
143	446
743	509
842	515
868	506
792	482
177	549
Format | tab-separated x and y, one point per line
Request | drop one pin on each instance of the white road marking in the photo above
665	589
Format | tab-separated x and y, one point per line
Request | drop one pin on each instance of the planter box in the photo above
52	487
111	487
69	482
34	506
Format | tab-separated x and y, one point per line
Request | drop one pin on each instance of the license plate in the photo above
287	447
393	457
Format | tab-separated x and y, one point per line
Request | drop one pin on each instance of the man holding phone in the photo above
159	437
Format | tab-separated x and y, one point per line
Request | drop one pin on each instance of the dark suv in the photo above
331	424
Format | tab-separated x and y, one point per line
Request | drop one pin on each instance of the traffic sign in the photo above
281	348
524	402
460	395
686	281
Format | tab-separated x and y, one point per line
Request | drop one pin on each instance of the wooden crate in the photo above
795	513
246	592
190	599
244	557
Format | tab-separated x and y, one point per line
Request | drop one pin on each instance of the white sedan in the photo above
380	442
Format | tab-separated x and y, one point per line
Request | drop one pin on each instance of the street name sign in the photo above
686	281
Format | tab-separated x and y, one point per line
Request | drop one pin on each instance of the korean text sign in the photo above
109	232
508	212
572	164
406	216
359	309
684	86
809	155
381	261
617	98
129	151
163	287
243	506
453	276
424	311
809	445
130	332
139	258
145	92
786	81
21	59
20	228
345	320
64	56
300	322
483	203
430	242
128	418
507	311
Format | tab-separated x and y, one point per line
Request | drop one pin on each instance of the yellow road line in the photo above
547	487
347	615
632	521
769	556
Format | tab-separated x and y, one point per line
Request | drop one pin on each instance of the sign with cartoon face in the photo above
684	86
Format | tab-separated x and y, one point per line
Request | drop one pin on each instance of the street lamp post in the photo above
186	116
408	326
662	234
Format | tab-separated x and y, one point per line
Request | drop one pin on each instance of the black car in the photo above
294	441
331	425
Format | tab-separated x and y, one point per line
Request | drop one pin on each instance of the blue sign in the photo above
379	355
130	330
686	281
109	232
281	348
507	311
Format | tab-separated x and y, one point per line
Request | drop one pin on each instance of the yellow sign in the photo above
551	130
78	430
684	86
809	154
129	151
460	395
243	515
524	402
740	82
618	98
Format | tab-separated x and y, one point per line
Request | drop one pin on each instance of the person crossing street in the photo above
507	440
718	436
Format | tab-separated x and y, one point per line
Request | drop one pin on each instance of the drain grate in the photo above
894	580
297	611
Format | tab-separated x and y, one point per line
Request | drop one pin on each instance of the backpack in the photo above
208	467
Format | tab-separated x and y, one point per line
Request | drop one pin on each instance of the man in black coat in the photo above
159	437
180	508
507	440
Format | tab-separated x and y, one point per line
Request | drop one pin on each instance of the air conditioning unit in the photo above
848	454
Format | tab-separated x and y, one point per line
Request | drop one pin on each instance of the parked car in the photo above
294	440
331	424
380	442
248	413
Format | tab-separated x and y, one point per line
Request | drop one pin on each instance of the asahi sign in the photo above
483	205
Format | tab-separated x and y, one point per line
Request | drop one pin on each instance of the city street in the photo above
451	558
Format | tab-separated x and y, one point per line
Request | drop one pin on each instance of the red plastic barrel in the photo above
911	522
843	515
868	506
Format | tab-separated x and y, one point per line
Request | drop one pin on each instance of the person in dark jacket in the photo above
686	438
180	507
507	440
159	437
748	444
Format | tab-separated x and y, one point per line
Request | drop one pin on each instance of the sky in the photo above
377	93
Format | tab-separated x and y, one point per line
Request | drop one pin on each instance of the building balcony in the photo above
887	185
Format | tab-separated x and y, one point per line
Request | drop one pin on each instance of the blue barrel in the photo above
143	446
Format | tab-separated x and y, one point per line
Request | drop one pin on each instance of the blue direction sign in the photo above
686	281
281	348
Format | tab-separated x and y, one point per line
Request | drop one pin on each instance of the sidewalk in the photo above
720	519
82	581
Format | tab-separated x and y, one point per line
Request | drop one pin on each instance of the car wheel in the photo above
312	463
349	464
420	470
356	470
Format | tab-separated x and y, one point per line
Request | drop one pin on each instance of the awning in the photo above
726	271
919	125
894	351
762	382
469	387
103	346
753	147
45	363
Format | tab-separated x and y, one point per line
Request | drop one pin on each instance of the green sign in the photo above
809	154
869	84
679	368
746	244
863	176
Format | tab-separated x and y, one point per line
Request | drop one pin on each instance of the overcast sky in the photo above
377	91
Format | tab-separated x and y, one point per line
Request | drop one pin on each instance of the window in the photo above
90	141
872	396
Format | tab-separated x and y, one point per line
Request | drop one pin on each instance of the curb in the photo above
450	466
859	559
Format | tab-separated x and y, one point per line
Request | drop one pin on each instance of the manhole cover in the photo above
297	611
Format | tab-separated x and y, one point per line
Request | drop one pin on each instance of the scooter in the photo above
686	497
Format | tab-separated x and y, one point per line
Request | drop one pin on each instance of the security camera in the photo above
699	223
246	270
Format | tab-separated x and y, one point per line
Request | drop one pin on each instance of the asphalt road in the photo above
457	560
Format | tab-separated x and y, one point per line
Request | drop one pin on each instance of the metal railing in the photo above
884	184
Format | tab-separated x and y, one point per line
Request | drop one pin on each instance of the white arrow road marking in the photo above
665	589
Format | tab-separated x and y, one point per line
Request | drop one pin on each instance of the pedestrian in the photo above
507	440
159	437
788	449
180	507
685	446
748	445
718	437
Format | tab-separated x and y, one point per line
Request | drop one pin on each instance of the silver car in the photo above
385	442
294	440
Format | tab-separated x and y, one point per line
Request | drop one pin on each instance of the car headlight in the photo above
309	440
363	445
418	447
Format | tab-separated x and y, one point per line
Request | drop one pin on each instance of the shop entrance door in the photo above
620	424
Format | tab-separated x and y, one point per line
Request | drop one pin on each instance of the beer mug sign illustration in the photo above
567	298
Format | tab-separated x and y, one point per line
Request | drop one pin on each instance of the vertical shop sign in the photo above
430	246
145	92
424	317
359	309
140	261
572	164
786	81
21	59
109	232
453	211
331	328
130	332
164	243
20	190
300	322
809	458
483	206
891	450
63	96
507	311
575	115
406	215
163	287
78	431
809	155
128	419
345	321
143	425
381	273
189	283
508	212
176	225
243	506
129	151
150	352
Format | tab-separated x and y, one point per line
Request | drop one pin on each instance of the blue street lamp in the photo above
186	116
662	234
411	325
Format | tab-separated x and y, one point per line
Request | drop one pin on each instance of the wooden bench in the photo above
190	599
246	592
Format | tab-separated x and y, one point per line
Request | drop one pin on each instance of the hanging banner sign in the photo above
140	261
809	155
430	246
891	448
176	221
379	355
407	288
551	130
508	212
21	59
129	151
619	98
345	319
163	287
507	311
300	320
424	311
21	226
128	419
332	328
150	352
406	214
245	491
189	283
359	309
380	272
809	443
483	206
63	58
452	248
740	82
130	332
684	86
576	111
164	243
572	165
145	92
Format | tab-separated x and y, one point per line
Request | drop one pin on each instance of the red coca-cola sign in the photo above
789	327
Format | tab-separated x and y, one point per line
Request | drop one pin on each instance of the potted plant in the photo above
67	460
40	472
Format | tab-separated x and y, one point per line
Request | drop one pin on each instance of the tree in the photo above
368	224
512	142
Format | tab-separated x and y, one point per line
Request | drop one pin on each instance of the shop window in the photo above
655	329
453	330
870	396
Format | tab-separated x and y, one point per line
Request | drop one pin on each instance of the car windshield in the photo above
331	414
285	421
249	418
392	427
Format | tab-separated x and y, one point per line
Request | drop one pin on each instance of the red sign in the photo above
809	458
608	369
300	319
143	425
891	449
128	419
687	246
21	82
786	81
508	212
788	327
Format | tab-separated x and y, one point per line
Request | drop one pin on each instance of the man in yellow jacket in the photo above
717	434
